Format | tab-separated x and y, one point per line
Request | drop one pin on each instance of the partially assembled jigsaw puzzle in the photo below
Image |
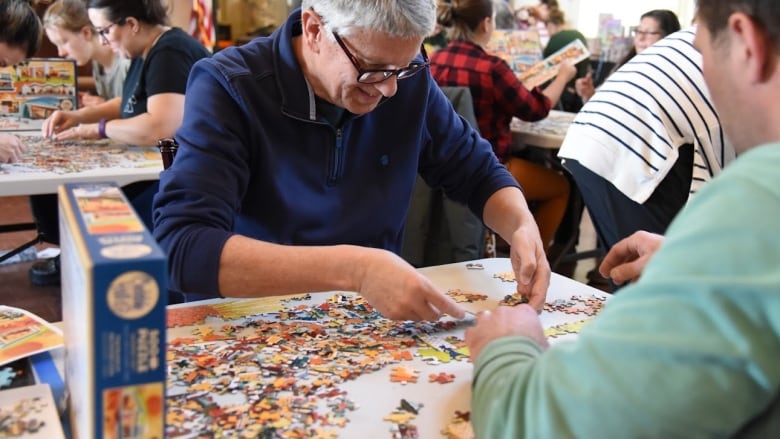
282	367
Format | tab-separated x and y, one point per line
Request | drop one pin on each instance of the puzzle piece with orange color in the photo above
441	378
462	296
506	276
403	374
459	427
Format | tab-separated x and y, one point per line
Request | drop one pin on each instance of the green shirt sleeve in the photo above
692	350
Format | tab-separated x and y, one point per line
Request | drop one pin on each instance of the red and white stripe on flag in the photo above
202	22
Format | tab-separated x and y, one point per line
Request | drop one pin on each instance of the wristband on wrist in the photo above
102	128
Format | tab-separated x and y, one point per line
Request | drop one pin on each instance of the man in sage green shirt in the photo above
692	349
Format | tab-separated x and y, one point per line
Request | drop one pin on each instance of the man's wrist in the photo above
102	128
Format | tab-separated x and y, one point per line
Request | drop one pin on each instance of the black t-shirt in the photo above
164	70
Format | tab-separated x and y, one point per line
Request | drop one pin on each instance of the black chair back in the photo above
168	148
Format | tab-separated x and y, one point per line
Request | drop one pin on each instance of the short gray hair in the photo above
396	18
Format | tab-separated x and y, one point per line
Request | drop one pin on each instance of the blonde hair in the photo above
70	15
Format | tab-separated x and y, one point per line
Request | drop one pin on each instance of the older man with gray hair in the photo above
298	173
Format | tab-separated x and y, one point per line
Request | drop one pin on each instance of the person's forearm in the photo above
252	268
555	89
500	387
507	210
141	130
108	110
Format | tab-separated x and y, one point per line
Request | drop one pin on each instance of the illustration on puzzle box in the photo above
37	87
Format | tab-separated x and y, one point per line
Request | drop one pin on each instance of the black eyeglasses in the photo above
375	76
645	33
103	31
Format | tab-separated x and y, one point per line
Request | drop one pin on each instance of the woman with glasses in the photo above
67	26
498	96
298	155
653	26
152	100
149	108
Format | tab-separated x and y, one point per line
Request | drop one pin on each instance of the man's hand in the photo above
627	259
10	148
502	322
399	292
529	262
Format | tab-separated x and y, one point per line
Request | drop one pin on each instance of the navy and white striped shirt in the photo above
629	132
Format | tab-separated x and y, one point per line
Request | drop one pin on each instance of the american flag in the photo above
202	22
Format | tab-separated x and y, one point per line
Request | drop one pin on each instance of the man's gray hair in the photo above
396	18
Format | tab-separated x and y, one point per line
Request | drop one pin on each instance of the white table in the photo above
547	133
374	393
115	163
132	164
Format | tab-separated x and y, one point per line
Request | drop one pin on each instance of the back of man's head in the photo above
766	13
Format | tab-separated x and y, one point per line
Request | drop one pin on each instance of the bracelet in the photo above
102	128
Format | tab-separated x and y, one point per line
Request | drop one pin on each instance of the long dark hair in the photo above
146	11
20	25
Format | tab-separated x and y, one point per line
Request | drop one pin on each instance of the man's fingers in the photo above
444	304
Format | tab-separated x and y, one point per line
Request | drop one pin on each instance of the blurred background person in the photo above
505	16
647	141
534	17
498	96
560	36
67	26
653	26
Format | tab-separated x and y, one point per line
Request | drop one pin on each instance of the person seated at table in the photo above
152	100
647	141
150	107
302	179
653	27
20	38
498	96
692	348
67	26
560	36
534	17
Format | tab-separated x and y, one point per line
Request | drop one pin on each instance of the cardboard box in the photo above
114	294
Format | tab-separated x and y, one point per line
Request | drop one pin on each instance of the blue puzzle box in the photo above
114	294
